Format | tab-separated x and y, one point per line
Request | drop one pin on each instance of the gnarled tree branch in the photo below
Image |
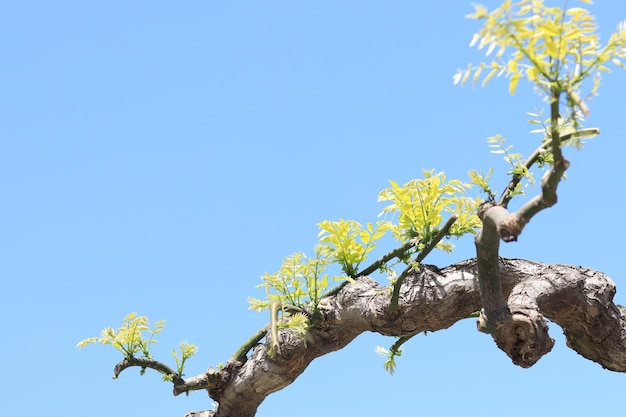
578	299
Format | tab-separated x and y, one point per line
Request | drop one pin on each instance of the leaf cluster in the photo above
481	180
299	283
416	212
556	49
297	322
421	204
550	46
132	337
349	242
390	358
185	351
136	336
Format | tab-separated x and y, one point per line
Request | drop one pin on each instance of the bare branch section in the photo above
147	363
578	299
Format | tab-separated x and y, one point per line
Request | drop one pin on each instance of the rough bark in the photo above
576	298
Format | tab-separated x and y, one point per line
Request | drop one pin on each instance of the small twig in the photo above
274	326
577	100
335	290
401	340
148	363
396	253
241	354
555	132
549	183
506	196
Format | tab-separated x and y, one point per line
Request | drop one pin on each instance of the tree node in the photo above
523	336
510	229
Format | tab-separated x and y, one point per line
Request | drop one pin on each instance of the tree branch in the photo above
241	353
578	299
512	227
147	363
506	196
519	330
396	253
487	244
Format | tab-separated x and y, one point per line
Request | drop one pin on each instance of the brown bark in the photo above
576	298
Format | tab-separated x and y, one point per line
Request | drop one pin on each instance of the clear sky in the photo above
159	157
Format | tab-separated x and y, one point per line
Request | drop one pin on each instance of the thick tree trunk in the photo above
576	298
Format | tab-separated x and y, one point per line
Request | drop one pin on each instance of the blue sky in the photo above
159	157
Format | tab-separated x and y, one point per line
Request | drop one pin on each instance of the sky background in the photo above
159	157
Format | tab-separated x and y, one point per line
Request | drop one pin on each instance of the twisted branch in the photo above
577	299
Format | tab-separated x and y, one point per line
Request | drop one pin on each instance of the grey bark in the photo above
578	299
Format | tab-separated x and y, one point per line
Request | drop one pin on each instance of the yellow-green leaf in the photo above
513	83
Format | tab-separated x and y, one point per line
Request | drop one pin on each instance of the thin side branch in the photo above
396	253
514	225
505	197
241	354
147	363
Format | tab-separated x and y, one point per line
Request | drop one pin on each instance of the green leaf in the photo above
513	83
